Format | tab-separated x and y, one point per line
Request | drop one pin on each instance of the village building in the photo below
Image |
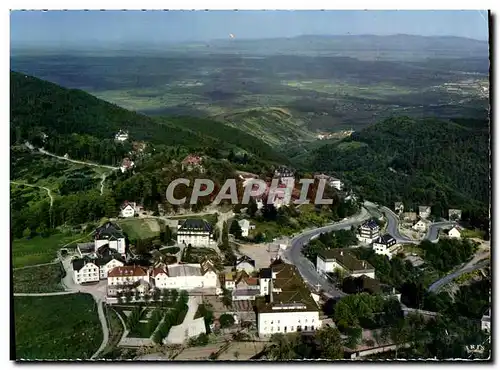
285	175
108	263
121	136
399	207
331	181
126	165
192	162
385	245
421	225
195	232
455	232
329	260
185	276
365	284
369	231
424	211
409	217
128	209
110	234
84	271
288	306
245	263
245	226
486	321
454	214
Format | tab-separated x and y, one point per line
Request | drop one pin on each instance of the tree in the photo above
235	229
226	320
330	345
26	233
399	334
282	347
227	298
252	207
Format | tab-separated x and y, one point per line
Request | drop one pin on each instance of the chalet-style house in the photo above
128	209
385	245
192	162
424	211
454	214
288	305
455	232
194	231
332	259
245	226
127	164
185	276
245	263
421	225
112	235
121	136
399	207
369	231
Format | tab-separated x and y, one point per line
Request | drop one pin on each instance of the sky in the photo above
67	28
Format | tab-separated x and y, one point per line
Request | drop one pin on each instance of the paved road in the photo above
306	267
448	278
103	178
43	294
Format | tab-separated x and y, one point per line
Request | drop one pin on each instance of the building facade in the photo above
342	259
112	235
369	231
85	271
195	231
383	243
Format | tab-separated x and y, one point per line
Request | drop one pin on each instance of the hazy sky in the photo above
87	27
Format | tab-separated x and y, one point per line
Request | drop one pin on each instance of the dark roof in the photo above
345	258
245	259
370	224
80	262
385	239
195	224
105	251
295	296
86	247
266	273
108	231
101	261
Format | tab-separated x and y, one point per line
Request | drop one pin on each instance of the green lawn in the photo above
56	328
39	279
139	228
28	252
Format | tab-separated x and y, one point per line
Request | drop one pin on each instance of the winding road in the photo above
449	278
317	280
43	151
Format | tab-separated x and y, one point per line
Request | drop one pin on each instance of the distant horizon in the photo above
152	43
87	28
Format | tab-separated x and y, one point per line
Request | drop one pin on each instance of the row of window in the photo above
285	328
272	321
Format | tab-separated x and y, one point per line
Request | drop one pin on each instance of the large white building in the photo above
127	275
332	259
194	231
288	306
185	276
110	234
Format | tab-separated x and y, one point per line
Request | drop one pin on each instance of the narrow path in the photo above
37	186
103	178
43	151
44	294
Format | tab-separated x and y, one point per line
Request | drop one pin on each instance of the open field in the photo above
62	327
140	228
37	250
39	279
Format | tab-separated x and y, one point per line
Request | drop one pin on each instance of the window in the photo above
278	321
312	320
306	320
291	328
305	327
284	329
271	329
278	329
272	322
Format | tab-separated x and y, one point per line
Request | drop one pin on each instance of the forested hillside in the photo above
441	163
84	126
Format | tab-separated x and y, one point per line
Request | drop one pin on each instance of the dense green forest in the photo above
441	163
84	126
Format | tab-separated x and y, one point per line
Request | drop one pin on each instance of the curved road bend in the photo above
448	278
36	186
306	267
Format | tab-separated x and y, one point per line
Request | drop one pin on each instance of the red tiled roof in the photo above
122	271
158	271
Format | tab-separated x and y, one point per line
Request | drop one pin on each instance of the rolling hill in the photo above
445	164
40	106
